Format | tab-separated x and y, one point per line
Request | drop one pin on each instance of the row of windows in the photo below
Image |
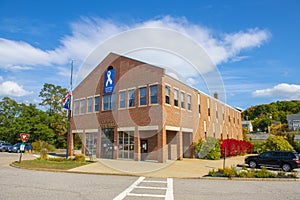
109	101
176	98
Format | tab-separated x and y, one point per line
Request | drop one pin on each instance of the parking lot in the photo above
30	184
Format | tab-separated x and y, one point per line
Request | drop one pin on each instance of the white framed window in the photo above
90	104
182	99
96	103
76	107
189	102
131	98
82	106
143	96
176	97
167	93
108	102
153	94
122	99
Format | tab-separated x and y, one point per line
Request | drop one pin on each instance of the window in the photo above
108	102
96	105
153	94
189	101
208	111
175	97
167	94
143	97
182	100
131	97
76	105
82	106
89	104
122	99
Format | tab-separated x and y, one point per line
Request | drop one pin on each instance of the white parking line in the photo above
128	192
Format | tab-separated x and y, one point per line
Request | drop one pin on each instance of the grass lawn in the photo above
61	164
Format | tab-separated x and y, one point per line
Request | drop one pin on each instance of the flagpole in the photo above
69	113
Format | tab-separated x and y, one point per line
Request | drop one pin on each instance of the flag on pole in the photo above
66	99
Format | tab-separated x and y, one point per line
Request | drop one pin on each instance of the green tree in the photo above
9	111
276	143
52	99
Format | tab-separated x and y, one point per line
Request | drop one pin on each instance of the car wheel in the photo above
286	167
252	164
18	151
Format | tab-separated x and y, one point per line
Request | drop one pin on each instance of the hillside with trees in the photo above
273	114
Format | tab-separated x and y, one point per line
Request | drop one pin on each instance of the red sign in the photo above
24	136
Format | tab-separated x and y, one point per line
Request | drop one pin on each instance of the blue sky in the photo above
254	44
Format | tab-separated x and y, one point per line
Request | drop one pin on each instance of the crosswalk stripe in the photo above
128	192
129	189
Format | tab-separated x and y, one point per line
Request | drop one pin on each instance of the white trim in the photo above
147	128
125	129
91	130
77	131
172	128
189	130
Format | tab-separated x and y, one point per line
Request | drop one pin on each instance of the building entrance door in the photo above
107	143
144	149
91	144
126	144
186	144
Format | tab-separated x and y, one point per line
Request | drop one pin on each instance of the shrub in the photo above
235	147
230	172
276	143
209	149
39	145
264	173
79	157
44	154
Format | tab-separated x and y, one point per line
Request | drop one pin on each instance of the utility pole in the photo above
69	112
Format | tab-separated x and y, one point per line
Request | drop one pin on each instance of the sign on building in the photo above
109	81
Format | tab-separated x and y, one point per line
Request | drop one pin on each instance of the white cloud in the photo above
88	33
9	88
283	90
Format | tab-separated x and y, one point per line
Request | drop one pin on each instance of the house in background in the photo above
293	122
247	125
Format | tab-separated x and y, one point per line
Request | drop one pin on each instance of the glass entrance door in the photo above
126	144
107	143
91	144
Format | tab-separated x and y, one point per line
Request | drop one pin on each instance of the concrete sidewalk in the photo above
187	168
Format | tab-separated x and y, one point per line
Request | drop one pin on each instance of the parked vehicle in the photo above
16	148
4	146
286	160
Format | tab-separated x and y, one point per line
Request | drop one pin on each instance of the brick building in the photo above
127	109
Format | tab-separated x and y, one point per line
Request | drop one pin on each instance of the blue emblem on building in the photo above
109	81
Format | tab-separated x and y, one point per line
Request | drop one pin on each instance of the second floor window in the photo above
82	106
143	97
131	97
122	99
153	94
96	104
108	102
182	100
76	107
167	91
89	104
175	97
189	102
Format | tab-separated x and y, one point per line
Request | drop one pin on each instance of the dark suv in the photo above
286	160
